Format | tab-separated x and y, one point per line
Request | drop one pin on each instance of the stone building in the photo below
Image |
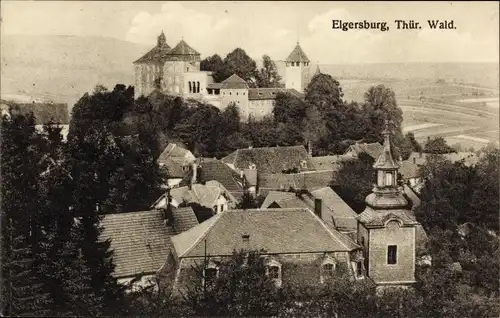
387	228
176	71
317	254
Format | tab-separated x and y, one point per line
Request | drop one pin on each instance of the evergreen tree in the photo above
23	292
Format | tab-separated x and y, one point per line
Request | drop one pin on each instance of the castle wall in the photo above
145	76
195	79
380	239
237	96
297	77
259	108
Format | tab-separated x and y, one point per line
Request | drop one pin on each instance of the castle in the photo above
176	71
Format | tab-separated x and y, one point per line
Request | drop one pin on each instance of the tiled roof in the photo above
269	159
273	196
310	180
372	218
297	55
174	167
203	194
334	211
140	241
343	216
270	93
182	48
274	230
175	151
413	197
213	169
156	55
214	85
329	162
409	170
470	158
372	149
184	219
234	82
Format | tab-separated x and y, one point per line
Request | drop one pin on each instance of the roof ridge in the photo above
329	231
205	233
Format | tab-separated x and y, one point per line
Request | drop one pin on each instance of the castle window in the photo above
363	241
243	93
198	87
392	254
229	93
190	88
188	69
236	93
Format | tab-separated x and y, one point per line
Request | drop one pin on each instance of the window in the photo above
210	274
327	271
198	87
359	269
388	179
236	93
363	241
273	271
245	238
190	88
303	164
229	93
243	93
392	254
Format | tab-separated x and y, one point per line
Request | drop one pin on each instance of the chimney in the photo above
317	207
195	173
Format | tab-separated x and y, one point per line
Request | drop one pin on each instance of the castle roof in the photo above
234	82
182	48
297	55
158	54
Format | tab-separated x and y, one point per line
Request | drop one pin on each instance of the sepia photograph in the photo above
250	159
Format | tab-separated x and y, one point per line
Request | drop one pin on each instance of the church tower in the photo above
386	228
297	70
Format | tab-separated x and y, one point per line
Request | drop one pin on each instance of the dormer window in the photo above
303	164
273	271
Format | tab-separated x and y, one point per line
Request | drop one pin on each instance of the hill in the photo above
62	68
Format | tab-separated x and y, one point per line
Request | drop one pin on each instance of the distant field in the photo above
463	114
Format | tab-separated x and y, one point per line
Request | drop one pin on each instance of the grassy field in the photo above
465	115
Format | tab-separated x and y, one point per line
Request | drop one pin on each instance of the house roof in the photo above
371	218
329	162
274	230
310	180
269	159
334	211
182	48
184	219
175	151
372	149
470	158
297	55
214	85
203	194
413	197
140	241
214	169
271	93
234	82
409	170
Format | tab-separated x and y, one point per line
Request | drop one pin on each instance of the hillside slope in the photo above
62	68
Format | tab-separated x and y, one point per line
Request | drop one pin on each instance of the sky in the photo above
274	27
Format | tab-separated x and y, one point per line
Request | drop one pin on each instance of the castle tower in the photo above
297	70
386	228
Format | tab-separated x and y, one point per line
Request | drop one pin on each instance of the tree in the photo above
416	147
268	75
249	201
437	145
211	63
324	92
23	292
354	181
242	288
239	63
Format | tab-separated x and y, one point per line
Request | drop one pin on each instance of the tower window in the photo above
359	269
392	254
388	179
